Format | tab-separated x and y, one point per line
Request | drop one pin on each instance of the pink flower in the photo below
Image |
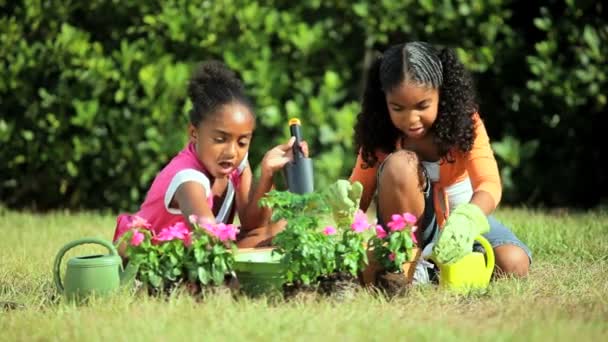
222	231
178	231
188	240
360	222
139	222
413	236
137	238
409	218
226	231
329	230
391	257
199	220
397	223
380	232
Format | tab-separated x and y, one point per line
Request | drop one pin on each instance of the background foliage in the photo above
93	94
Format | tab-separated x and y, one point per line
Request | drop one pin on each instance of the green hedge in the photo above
93	100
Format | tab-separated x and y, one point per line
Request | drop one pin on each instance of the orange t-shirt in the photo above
478	164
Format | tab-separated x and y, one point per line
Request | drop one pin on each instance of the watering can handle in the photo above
70	245
489	253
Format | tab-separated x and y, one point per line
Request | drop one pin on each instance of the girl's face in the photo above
222	139
413	109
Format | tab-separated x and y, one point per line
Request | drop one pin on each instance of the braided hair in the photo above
212	86
420	64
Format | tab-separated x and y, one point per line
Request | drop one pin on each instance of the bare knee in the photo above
511	260
400	189
402	169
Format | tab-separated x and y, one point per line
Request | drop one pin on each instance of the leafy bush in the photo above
93	98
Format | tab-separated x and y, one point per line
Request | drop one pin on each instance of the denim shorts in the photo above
497	236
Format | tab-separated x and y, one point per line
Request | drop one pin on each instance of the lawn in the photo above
564	298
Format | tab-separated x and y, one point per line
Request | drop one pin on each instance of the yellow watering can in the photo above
473	271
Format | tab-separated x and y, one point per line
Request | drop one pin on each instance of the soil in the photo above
393	284
299	291
340	286
195	289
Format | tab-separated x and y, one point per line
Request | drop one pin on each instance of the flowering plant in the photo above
350	252
307	252
311	249
393	246
178	253
211	255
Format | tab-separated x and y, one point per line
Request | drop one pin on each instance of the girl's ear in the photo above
192	133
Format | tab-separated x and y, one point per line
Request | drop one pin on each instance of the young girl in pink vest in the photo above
211	176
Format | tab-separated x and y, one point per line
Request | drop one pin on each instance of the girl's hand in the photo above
280	155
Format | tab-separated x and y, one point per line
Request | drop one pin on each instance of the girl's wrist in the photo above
266	176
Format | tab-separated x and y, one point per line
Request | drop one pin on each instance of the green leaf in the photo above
203	275
154	279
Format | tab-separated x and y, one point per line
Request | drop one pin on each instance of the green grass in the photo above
564	298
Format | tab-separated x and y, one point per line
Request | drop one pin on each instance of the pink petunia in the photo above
139	222
178	231
199	220
380	232
226	231
188	240
222	231
329	230
409	218
359	222
397	223
391	257
413	236
137	238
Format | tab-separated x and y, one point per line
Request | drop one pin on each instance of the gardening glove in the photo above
343	197
456	239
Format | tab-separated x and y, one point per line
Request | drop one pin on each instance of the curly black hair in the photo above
211	86
422	64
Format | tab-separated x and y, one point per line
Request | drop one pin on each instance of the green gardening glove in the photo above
456	239
343	197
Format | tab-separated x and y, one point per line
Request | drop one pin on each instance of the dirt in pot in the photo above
193	288
393	284
340	286
299	291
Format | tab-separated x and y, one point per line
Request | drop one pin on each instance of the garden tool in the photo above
87	275
299	172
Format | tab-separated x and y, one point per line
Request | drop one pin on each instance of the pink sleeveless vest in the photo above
185	166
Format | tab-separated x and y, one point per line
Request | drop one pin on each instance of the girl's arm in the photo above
483	171
367	178
191	199
250	213
247	197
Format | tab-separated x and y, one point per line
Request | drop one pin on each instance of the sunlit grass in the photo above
564	298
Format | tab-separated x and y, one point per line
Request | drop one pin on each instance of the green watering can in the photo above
87	275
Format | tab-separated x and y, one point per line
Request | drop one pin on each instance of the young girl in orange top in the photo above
423	149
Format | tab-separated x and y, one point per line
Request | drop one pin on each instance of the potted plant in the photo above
323	241
198	258
395	252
